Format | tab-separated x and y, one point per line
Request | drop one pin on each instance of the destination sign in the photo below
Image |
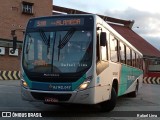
59	22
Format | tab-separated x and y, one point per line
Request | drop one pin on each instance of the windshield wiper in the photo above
43	36
66	38
45	39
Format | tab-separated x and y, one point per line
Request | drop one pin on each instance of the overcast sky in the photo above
146	14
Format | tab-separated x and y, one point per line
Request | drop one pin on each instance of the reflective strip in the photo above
9	75
151	80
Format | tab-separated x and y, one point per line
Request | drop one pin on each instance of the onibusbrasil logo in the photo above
21	114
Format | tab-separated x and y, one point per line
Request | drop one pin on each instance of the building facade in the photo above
14	15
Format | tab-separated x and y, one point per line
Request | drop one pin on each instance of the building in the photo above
14	15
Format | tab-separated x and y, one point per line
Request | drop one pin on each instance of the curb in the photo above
151	80
9	75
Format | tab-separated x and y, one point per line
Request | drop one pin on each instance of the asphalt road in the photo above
142	107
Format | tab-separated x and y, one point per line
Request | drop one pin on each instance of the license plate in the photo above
50	100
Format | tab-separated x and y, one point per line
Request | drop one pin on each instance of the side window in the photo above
128	56
136	64
101	51
104	53
122	53
133	59
97	49
140	63
113	48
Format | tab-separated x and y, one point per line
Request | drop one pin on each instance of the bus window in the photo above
137	60
122	53
133	58
100	51
103	47
141	62
128	56
104	53
97	49
113	49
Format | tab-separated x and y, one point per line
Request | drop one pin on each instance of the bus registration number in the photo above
50	100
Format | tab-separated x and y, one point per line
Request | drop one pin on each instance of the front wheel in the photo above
110	104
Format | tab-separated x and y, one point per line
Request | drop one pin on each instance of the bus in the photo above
78	59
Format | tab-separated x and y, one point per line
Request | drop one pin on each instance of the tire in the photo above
134	93
110	104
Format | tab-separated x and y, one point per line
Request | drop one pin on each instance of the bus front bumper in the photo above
78	97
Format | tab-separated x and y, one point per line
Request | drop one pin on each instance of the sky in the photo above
145	13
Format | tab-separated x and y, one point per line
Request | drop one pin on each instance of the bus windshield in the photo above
67	51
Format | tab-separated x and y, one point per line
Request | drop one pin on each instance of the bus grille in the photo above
60	97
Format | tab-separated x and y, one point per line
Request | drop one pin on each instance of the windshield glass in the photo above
67	51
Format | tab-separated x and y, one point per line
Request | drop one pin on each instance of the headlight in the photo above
24	83
85	84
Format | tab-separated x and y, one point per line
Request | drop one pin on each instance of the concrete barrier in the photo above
9	75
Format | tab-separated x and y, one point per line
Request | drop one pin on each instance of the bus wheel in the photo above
134	93
110	104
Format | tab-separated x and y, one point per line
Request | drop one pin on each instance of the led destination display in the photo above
59	22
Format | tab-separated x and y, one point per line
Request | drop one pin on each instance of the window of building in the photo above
27	8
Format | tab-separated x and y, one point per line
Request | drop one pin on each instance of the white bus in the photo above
78	59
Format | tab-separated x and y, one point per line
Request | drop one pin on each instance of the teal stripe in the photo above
76	84
128	76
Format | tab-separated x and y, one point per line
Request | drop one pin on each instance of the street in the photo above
147	100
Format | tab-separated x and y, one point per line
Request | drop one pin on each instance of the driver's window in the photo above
104	53
97	49
101	51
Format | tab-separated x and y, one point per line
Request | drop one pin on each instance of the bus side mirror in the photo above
103	40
